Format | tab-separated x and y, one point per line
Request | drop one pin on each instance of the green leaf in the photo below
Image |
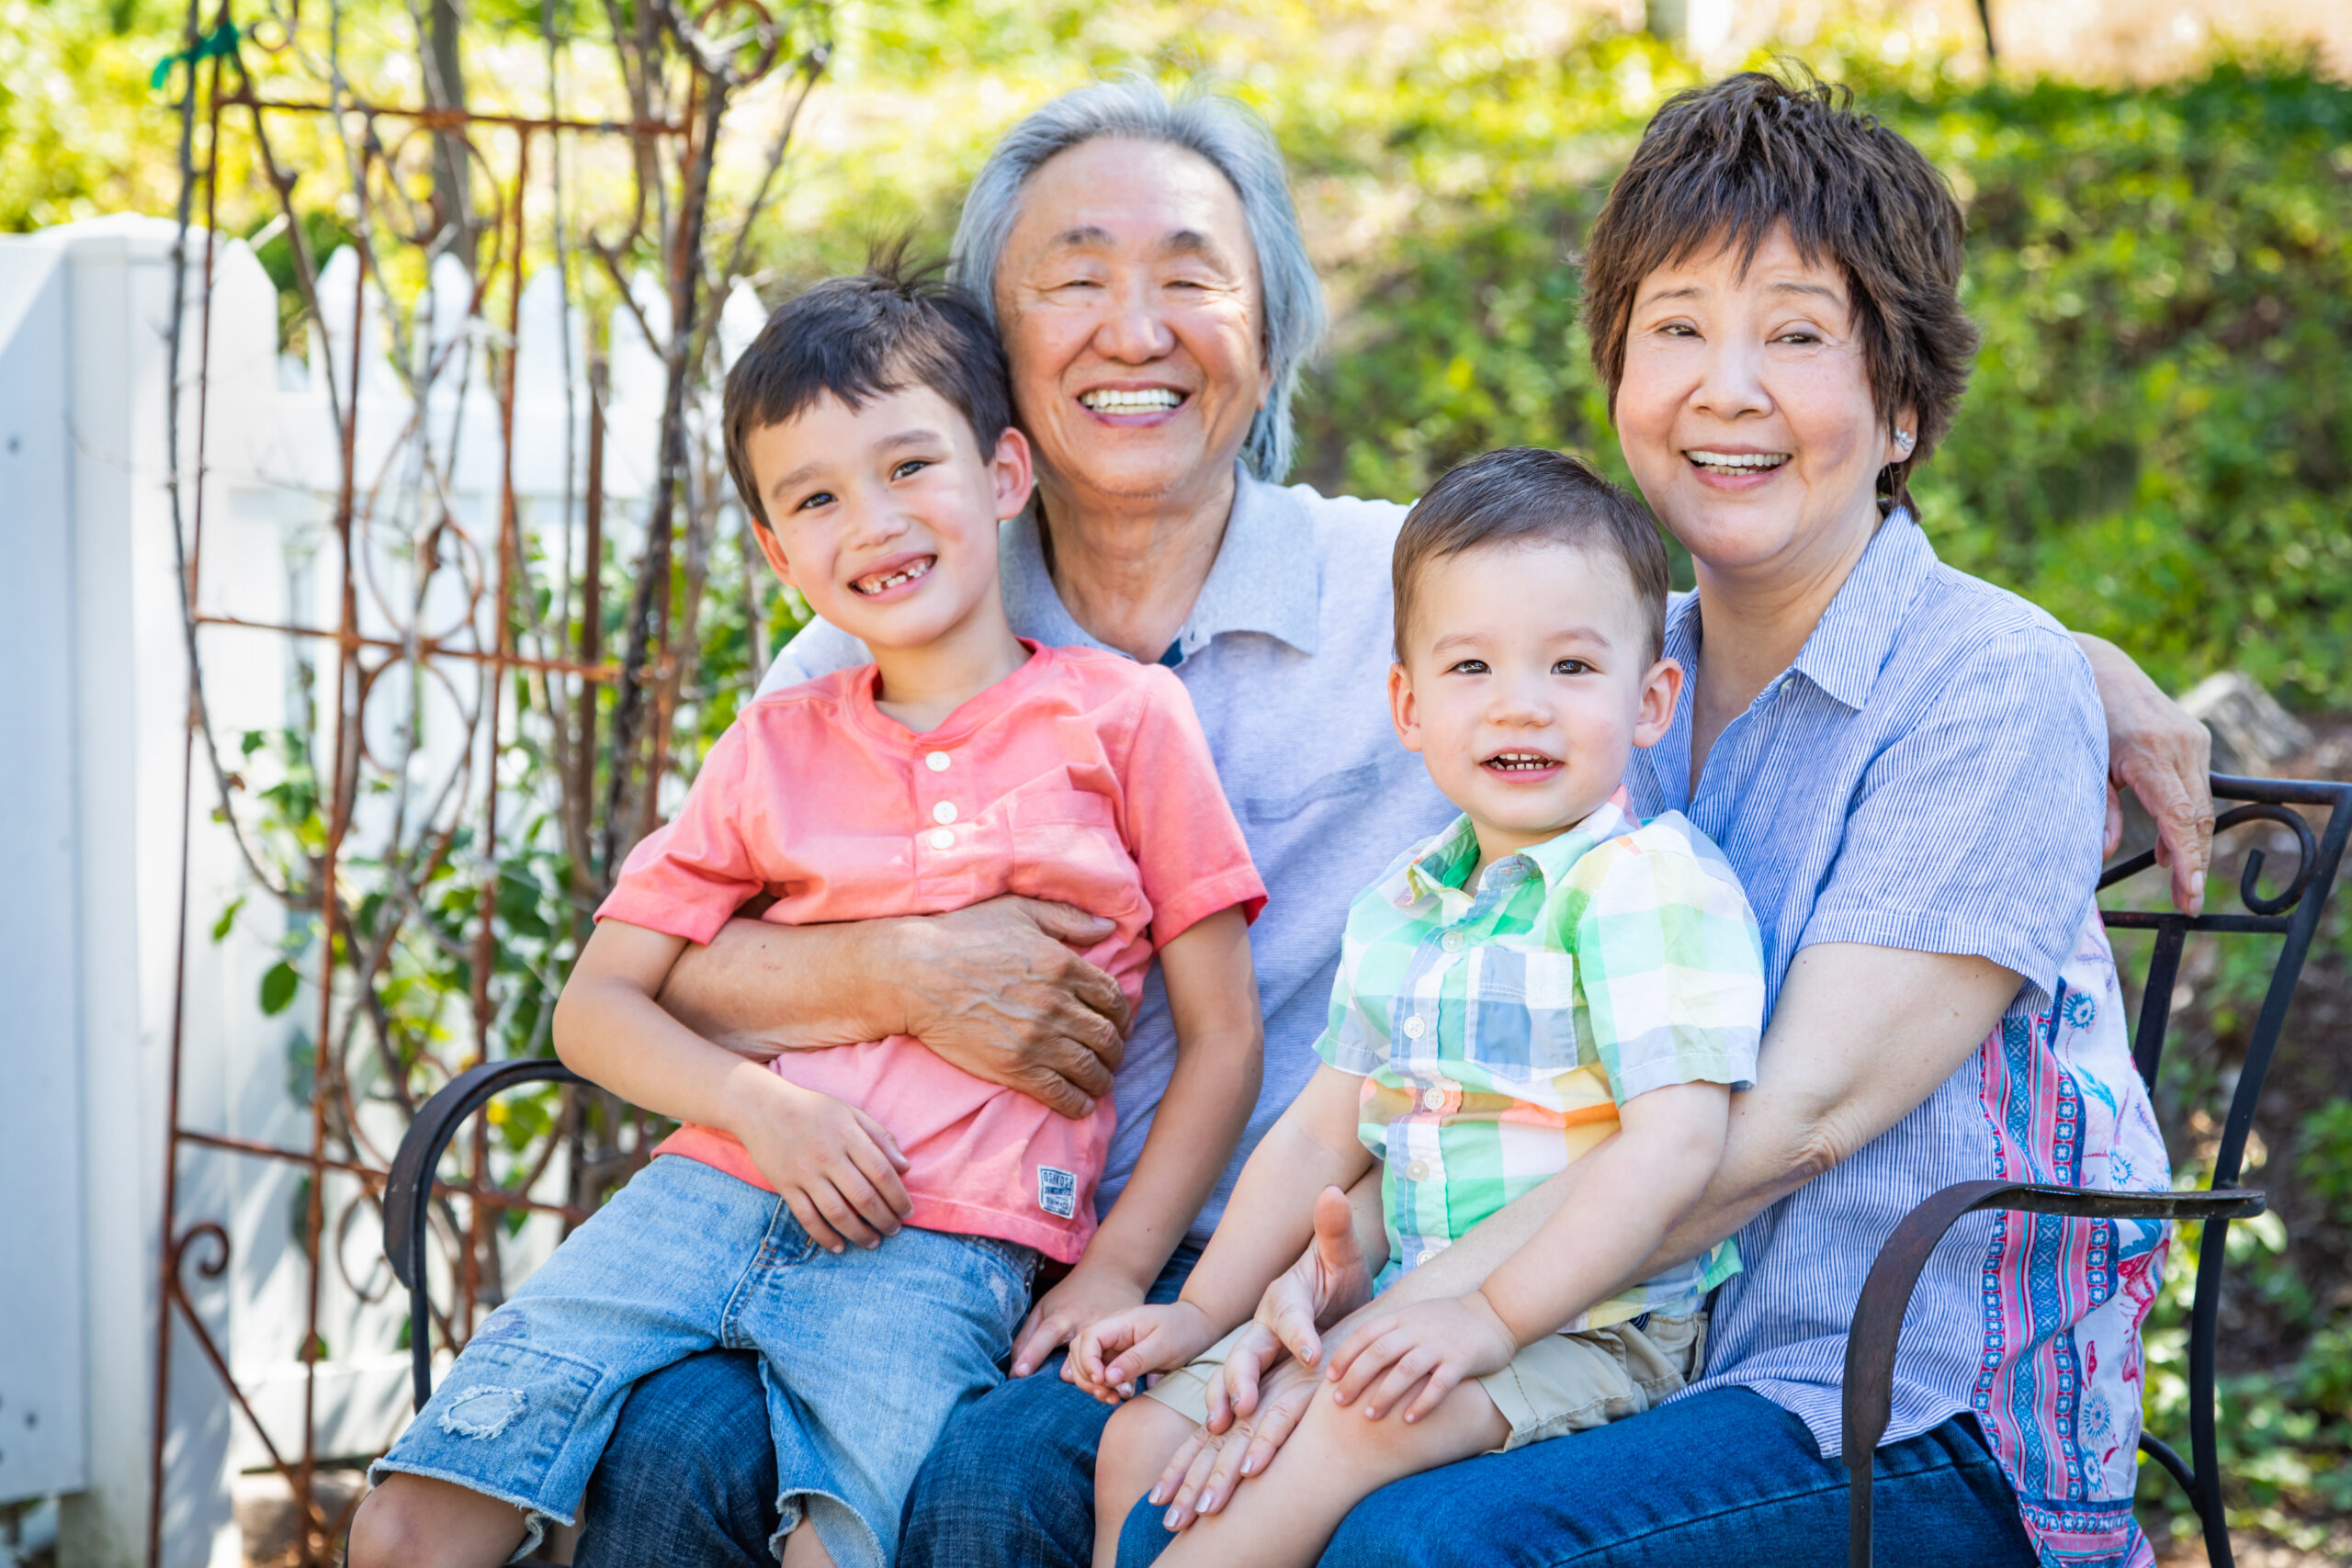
222	927
277	988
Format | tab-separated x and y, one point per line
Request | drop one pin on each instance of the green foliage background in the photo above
2158	446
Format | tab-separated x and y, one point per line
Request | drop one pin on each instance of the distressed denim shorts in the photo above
865	1356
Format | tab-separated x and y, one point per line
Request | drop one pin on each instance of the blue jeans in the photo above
678	1487
1723	1478
862	1356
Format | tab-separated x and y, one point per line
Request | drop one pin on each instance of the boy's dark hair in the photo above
1721	164
1523	493
890	327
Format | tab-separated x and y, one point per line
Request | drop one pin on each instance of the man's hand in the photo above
835	1166
1110	1356
1431	1345
1329	1281
2165	756
997	991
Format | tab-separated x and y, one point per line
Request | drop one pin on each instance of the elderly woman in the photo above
1145	268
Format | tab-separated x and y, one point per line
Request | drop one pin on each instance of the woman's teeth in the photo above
905	573
1738	462
1148	402
1521	762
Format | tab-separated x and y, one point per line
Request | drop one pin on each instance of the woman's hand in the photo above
1329	1281
2159	754
1204	1473
1111	1355
836	1167
1429	1346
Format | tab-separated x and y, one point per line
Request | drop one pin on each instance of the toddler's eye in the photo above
1467	667
1569	667
912	465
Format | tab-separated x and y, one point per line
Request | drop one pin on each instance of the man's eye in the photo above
911	466
1569	667
821	498
1468	667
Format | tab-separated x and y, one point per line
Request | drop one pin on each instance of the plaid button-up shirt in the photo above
1499	1032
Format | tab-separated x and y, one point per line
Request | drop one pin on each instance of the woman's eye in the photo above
1569	667
1800	334
911	466
1679	328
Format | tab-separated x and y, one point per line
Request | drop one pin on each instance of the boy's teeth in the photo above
1519	761
1738	462
1145	401
905	573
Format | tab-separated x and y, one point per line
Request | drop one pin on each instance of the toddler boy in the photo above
1543	974
868	432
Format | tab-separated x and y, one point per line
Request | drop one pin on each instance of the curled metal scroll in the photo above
2249	879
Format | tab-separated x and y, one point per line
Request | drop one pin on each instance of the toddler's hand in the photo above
834	1165
1434	1346
1109	1357
1090	1292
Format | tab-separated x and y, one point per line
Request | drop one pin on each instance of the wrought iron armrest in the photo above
408	1194
1872	1338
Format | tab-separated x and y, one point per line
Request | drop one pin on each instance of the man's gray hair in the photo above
1239	146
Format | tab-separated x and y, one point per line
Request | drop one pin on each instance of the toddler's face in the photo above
1526	685
884	516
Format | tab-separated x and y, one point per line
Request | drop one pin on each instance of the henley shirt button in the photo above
1451	941
936	761
1419	1171
1432	1099
941	838
1413	1027
944	813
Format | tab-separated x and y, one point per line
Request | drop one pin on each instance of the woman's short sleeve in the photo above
1966	824
1187	846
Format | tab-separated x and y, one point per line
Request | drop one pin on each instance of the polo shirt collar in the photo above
1266	578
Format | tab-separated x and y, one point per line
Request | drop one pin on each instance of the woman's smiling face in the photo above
1129	295
1745	410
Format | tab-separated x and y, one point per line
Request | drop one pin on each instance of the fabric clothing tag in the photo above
1057	1191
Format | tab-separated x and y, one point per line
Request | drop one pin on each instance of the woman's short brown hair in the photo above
1720	165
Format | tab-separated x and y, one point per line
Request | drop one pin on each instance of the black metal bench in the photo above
2294	912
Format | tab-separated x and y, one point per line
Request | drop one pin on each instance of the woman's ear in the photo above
1402	710
1013	473
1902	436
1661	689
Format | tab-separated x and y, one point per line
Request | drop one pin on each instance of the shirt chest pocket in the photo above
1520	1011
1066	846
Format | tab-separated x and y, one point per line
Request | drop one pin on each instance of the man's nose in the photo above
1134	329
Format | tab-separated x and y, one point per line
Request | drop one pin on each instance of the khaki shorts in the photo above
1563	1382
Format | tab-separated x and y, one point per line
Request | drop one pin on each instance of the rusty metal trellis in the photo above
683	71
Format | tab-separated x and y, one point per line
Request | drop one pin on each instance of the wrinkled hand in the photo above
1432	1347
1111	1355
999	990
1329	1281
834	1165
1205	1473
2163	756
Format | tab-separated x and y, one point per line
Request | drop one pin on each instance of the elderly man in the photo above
1145	268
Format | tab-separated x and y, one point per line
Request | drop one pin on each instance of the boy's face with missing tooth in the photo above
1526	683
885	517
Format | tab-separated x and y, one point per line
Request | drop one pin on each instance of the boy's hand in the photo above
1089	1292
1434	1346
835	1166
1109	1357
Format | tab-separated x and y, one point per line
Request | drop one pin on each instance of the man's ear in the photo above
1661	689
773	548
1403	712
1012	472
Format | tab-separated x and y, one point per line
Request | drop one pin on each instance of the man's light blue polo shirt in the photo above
1285	656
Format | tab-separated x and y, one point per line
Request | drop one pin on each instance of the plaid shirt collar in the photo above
1438	871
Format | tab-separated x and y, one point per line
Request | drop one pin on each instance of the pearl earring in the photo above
1905	439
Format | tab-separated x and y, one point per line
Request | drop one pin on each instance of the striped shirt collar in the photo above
1443	864
1265	578
1850	643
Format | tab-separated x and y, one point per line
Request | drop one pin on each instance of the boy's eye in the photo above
1569	667
912	465
821	498
1467	667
